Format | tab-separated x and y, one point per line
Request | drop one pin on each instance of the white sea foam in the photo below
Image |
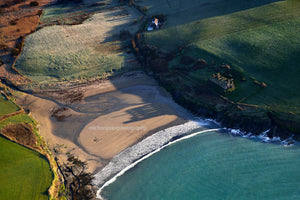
131	156
263	137
144	149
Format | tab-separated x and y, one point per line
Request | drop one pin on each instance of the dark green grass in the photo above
180	12
24	174
6	106
260	44
170	39
267	54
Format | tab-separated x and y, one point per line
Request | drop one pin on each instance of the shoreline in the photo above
209	104
101	124
133	155
130	157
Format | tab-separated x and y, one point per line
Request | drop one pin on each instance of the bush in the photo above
187	60
18	1
39	12
34	3
3	47
263	85
144	9
159	65
6	5
200	64
68	1
15	51
124	35
13	22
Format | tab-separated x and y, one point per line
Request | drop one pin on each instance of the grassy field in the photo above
261	43
7	106
91	49
179	12
24	174
20	118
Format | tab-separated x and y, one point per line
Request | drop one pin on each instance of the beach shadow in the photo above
144	112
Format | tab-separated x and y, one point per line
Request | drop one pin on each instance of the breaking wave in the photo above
131	156
263	137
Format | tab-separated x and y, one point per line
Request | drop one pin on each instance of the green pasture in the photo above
25	174
171	38
68	13
50	55
67	53
20	118
180	12
6	106
261	43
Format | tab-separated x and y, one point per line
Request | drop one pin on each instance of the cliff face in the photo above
206	102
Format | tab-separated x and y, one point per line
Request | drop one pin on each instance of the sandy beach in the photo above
111	116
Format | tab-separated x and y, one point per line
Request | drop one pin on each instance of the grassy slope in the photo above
263	43
24	173
185	11
7	106
75	52
21	118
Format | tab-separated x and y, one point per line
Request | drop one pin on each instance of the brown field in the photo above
17	21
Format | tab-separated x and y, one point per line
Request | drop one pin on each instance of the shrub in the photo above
68	1
187	60
3	47
6	5
144	9
13	22
159	65
124	34
263	85
226	66
34	3
18	1
19	45
15	51
200	64
39	12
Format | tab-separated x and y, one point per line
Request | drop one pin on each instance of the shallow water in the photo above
213	166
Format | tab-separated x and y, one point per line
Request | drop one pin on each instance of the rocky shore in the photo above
206	102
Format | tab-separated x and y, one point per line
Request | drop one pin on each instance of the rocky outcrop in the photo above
78	182
203	101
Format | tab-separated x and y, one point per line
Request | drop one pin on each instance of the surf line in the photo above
123	171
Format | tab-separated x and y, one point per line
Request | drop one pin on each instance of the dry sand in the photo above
110	117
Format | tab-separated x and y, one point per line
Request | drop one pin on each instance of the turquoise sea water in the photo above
213	166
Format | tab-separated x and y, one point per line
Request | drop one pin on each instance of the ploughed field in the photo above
258	40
